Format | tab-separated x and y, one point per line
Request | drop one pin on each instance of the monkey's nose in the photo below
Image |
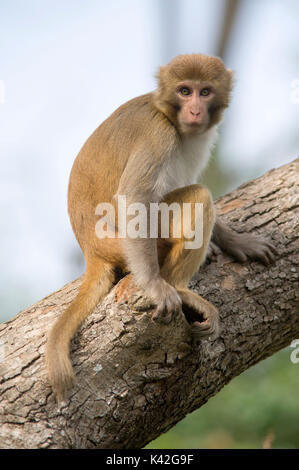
194	113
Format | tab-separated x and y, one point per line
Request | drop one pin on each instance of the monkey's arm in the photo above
242	245
138	184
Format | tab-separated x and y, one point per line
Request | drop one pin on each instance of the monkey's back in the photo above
100	163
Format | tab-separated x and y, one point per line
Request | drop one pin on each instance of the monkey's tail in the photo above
96	284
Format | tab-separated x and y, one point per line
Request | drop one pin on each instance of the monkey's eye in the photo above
185	91
205	92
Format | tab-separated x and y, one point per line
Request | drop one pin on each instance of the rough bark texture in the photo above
137	378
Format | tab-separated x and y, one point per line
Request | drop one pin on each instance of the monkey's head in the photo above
193	90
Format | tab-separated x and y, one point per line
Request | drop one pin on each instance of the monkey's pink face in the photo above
194	100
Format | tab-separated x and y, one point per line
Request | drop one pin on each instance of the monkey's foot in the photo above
161	297
166	298
247	245
242	246
200	314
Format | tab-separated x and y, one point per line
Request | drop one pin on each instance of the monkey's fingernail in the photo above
156	314
273	248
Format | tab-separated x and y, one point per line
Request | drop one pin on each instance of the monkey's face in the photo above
193	99
193	91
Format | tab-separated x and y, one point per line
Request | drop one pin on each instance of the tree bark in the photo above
137	378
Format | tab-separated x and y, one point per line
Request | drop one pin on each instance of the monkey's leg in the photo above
179	264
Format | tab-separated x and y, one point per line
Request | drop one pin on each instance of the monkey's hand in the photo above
161	294
200	314
165	297
242	246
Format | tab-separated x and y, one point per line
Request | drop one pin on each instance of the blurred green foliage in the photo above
221	178
216	178
260	408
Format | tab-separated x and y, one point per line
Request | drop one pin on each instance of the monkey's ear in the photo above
160	74
231	75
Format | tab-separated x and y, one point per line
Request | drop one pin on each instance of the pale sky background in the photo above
66	65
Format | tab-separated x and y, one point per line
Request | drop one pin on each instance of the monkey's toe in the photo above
202	318
266	252
248	246
263	251
206	329
213	252
162	317
164	314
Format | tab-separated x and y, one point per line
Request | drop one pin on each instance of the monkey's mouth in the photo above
193	127
193	122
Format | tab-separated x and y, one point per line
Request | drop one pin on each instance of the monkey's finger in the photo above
265	252
266	256
271	252
239	255
204	325
269	255
162	314
166	318
205	329
199	333
262	256
173	305
171	312
272	249
213	251
158	312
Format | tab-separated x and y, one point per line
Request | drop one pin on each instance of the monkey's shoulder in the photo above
141	116
135	125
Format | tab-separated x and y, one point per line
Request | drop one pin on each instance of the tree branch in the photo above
137	378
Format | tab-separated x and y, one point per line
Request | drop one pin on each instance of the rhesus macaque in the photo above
151	149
